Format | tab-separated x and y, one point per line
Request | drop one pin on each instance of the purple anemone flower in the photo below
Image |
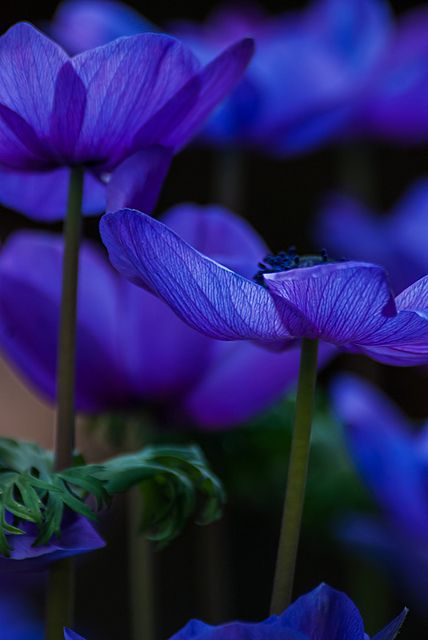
395	104
397	241
20	610
119	111
281	106
392	458
77	536
132	350
347	304
321	614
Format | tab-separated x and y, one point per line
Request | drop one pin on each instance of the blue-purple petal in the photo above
206	295
43	195
391	631
117	108
77	536
338	302
325	614
219	234
30	64
137	181
242	381
72	635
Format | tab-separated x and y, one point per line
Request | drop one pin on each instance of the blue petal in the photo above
137	181
72	635
338	302
206	295
391	631
43	195
242	381
30	64
325	614
385	452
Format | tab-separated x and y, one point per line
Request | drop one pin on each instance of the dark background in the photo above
280	198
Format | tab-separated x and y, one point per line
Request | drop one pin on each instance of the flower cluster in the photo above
190	323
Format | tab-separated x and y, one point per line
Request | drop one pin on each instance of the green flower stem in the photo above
141	572
296	483
60	597
60	600
64	435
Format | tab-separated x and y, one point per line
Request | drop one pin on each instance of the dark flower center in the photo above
287	260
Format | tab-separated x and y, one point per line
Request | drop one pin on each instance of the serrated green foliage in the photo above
173	480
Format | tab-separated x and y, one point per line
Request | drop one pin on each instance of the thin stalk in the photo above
141	556
66	372
141	573
60	596
296	483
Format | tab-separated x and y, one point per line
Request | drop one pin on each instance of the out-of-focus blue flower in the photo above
392	458
20	607
395	105
131	348
397	241
120	112
281	106
79	25
347	304
77	536
308	70
71	635
321	614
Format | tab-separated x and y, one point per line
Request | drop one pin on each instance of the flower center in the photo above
287	260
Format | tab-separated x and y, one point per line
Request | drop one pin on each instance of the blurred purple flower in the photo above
280	106
397	241
131	347
283	106
321	614
120	111
79	25
395	105
20	607
347	304
392	458
77	536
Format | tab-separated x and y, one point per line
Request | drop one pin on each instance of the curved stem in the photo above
296	482
60	598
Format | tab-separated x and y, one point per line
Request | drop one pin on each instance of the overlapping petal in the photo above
230	393
205	294
340	302
99	109
30	65
43	195
347	304
385	452
118	107
324	614
77	536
